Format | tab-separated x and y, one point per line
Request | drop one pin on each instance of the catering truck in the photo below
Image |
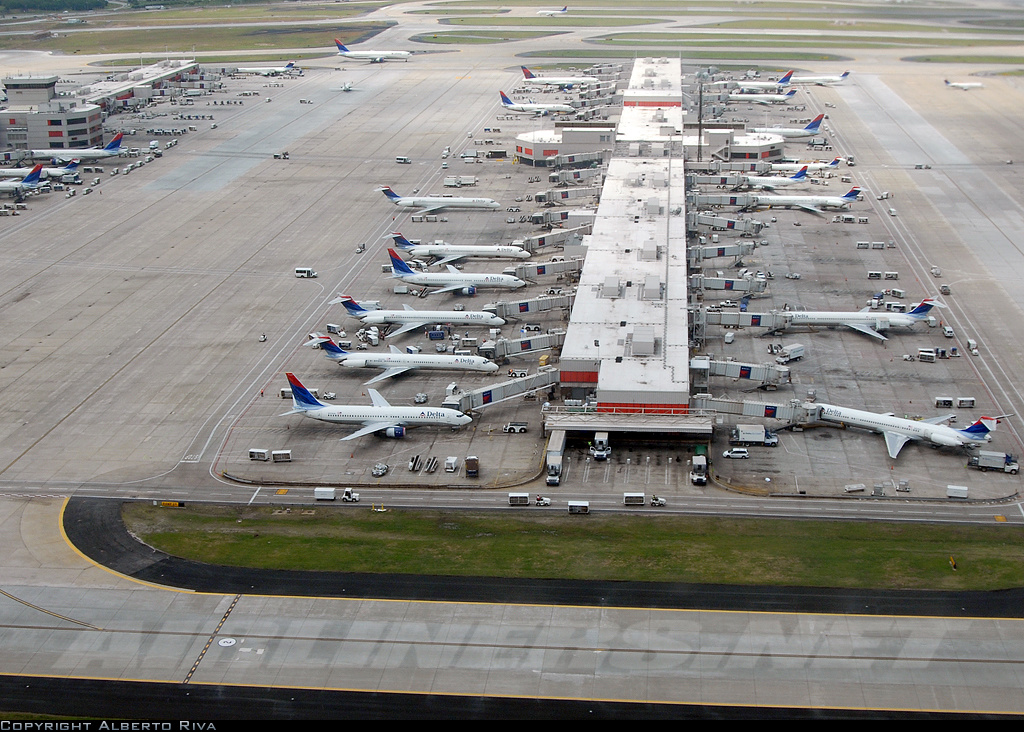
988	460
753	434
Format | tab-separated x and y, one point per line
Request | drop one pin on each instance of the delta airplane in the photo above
111	150
69	169
763	98
811	167
397	362
381	417
811	204
374	57
453	280
411	319
562	81
964	85
534	107
445	253
17	187
553	13
899	431
268	70
770	183
429	204
784	81
820	80
866	321
791	133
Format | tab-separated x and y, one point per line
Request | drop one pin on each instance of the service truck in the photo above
699	470
472	466
601	449
792	352
753	434
458	181
556	447
989	460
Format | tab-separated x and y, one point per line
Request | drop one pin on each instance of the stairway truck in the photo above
792	352
753	434
699	470
988	460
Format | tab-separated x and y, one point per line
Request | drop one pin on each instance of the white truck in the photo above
601	449
699	470
556	447
988	460
753	434
792	352
458	181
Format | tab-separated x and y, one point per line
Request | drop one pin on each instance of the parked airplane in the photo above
964	85
347	86
445	253
770	183
534	107
898	431
553	13
111	150
561	81
381	417
69	169
821	80
411	319
374	57
396	362
811	204
811	167
453	280
773	85
867	321
763	98
268	70
429	204
18	187
794	132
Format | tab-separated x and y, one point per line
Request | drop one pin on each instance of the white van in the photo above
404	160
304	272
947	331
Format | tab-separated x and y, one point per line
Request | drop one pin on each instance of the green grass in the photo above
643	548
574	22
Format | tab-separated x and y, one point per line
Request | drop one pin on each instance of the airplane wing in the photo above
939	420
388	373
378	401
895	442
448	288
866	330
406	328
431	209
451	258
810	209
370	429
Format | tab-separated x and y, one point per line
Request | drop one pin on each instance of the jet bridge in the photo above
749	285
532	270
520	308
578	160
697	255
565	177
728	180
768	376
564	195
499	350
465	401
705	221
703	200
555	237
792	412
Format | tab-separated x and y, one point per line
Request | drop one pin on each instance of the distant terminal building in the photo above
37	118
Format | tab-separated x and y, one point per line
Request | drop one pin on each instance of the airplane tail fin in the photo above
398	265
791	93
340	45
784	81
331	349
114	144
33	177
815	123
922	310
504	99
979	429
394	197
527	73
800	174
400	241
302	400
290	65
852	194
352	306
835	162
72	166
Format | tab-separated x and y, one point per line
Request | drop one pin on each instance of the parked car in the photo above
736	453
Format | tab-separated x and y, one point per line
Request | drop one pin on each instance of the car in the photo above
420	398
513	209
792	275
729	304
736	453
380	470
519	199
510	220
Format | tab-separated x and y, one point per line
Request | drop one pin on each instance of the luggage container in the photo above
256	453
579	506
281	456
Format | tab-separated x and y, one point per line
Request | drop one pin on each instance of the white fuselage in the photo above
68	155
789	133
13	186
361	360
562	80
938	434
446	251
759	181
820	80
874	320
453	317
793	167
438	202
836	202
375	55
462	279
265	71
44	173
405	416
537	108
